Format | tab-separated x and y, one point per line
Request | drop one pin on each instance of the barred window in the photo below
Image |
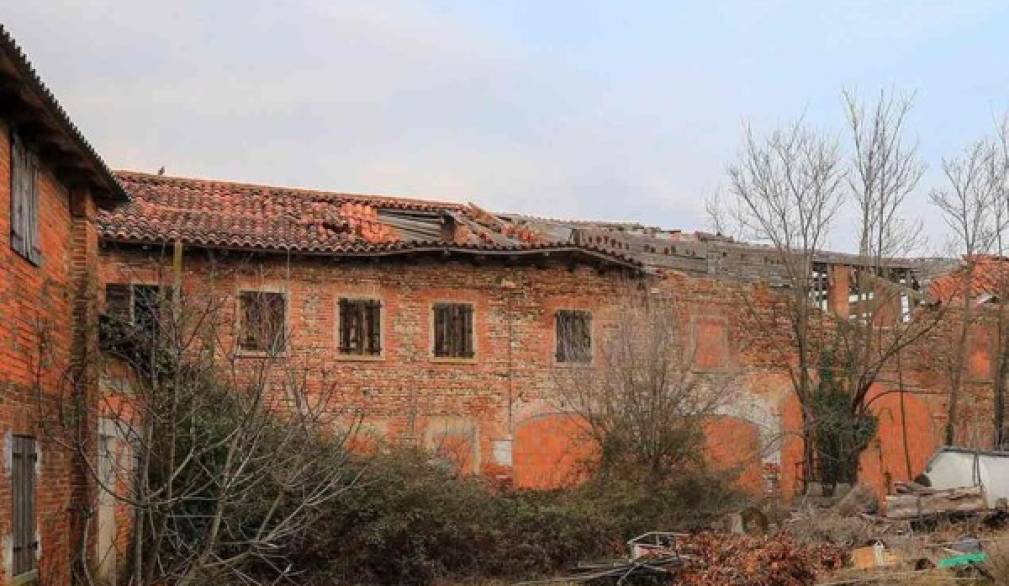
360	326
574	336
24	169
453	330
263	315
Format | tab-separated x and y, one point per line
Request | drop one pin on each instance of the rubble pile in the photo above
719	558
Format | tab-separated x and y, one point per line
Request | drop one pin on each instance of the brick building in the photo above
391	267
51	183
441	321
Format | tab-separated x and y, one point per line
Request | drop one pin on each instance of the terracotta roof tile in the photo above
989	275
223	214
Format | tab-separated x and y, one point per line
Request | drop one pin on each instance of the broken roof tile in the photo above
223	214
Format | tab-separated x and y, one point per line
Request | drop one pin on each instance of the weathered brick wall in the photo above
495	412
36	310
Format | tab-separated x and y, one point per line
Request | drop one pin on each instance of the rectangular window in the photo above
24	201
139	305
360	326
453	330
574	336
263	316
23	457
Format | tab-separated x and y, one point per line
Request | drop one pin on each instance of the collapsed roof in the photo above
705	254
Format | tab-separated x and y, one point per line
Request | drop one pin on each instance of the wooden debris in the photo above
912	505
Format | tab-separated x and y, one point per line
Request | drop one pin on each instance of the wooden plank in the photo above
954	500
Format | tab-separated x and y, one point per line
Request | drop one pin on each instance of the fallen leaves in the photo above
719	558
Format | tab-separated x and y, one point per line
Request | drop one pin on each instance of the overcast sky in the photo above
597	110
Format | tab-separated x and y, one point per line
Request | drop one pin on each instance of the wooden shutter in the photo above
562	335
345	326
373	326
440	329
23	457
24	231
276	321
360	325
34	243
251	321
574	336
453	330
466	335
19	197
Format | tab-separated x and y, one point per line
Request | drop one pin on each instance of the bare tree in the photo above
787	189
884	170
213	430
972	207
640	401
1000	281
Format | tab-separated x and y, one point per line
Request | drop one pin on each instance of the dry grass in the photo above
997	564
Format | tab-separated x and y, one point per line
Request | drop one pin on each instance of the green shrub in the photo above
412	522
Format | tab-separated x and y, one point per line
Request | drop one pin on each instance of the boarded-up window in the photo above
23	457
574	336
361	326
453	330
263	321
139	305
711	344
24	201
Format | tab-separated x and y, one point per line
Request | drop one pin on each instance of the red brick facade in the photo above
45	305
36	307
496	410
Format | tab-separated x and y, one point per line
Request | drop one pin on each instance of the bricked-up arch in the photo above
549	451
733	444
454	440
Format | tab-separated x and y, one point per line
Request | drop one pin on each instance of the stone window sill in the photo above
24	579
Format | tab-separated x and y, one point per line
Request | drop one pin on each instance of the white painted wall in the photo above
954	469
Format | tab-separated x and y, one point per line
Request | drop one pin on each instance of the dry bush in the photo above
642	403
997	564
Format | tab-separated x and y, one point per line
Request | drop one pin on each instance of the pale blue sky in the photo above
615	110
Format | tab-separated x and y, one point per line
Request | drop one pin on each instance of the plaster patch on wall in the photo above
8	554
759	411
502	452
